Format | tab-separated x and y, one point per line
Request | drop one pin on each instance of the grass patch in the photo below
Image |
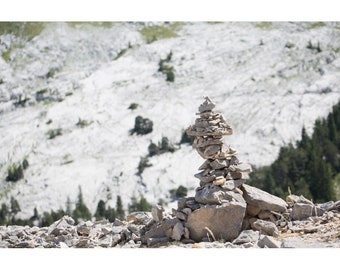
158	32
27	30
95	24
263	25
317	25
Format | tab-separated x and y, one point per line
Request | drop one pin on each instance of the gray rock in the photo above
211	194
223	221
161	230
297	199
302	211
157	241
116	238
263	200
269	242
246	237
266	227
117	229
178	231
298	242
253	210
232	184
157	213
83	230
143	218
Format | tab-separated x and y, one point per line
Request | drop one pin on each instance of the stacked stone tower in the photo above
220	205
222	173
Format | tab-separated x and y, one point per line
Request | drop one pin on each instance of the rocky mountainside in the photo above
67	95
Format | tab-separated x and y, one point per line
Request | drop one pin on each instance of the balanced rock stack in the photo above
220	198
222	172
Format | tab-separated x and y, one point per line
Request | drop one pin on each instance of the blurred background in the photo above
93	114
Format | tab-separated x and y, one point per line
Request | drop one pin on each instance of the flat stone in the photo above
302	211
140	217
298	199
232	184
211	194
219	164
205	165
223	221
211	150
269	242
263	200
157	241
157	213
266	227
162	230
246	237
177	232
219	181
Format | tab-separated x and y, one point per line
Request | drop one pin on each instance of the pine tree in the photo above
119	208
101	210
81	211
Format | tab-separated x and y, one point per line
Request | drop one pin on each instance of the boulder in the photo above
224	221
142	218
211	194
247	236
269	242
263	200
266	227
302	211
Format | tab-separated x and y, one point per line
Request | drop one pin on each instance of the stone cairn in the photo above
221	176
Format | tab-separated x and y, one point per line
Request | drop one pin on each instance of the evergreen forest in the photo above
310	168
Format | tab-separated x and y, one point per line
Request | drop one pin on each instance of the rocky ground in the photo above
313	232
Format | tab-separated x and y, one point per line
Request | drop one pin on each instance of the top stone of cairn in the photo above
209	123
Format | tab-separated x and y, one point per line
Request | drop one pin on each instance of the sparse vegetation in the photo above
181	191
21	102
289	45
167	69
120	53
142	126
143	163
186	138
15	172
83	123
317	25
52	133
163	146
313	47
154	33
133	106
26	30
263	25
141	205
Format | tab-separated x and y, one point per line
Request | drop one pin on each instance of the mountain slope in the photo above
268	80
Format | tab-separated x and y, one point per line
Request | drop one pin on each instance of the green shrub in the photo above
142	126
83	123
25	164
181	191
313	47
14	173
143	163
141	205
133	106
52	133
162	147
167	69
186	138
